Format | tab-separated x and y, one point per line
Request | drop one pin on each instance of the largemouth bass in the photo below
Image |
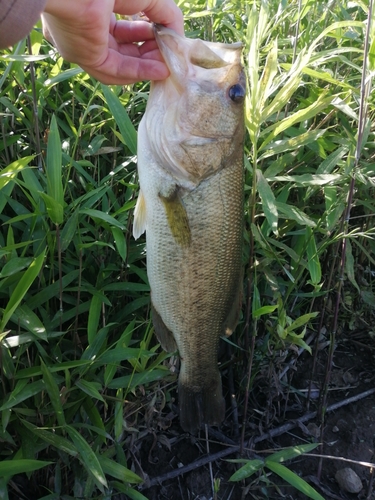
190	165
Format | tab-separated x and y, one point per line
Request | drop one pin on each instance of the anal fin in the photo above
164	335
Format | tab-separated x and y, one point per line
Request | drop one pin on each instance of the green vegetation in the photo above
80	367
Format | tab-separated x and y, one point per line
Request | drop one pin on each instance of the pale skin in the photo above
87	32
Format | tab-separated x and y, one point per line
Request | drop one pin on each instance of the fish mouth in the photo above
169	43
160	29
181	54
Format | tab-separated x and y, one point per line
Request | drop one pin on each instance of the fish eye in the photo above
237	93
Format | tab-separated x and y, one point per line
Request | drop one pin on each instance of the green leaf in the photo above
53	171
368	297
120	241
263	310
97	214
94	317
22	57
54	393
54	209
255	302
299	116
12	467
92	351
313	263
136	379
10	172
118	471
293	143
119	414
294	480
16	397
88	458
288	87
69	230
25	317
130	492
109	372
292	452
349	264
301	321
52	438
122	119
269	72
247	470
336	26
268	201
36	371
120	353
331	161
62	76
15	265
21	289
95	418
4	480
297	340
91	388
308	179
294	213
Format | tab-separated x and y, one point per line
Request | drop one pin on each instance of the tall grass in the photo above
80	368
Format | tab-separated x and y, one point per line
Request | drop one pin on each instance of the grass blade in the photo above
247	470
22	287
16	397
290	453
54	393
91	388
268	201
128	132
52	438
9	173
294	480
293	143
313	263
118	471
53	171
12	467
88	458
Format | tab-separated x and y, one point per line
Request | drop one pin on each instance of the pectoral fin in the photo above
164	335
177	218
139	224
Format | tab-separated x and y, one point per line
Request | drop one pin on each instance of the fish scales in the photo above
191	206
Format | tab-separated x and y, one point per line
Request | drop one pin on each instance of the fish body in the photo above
190	165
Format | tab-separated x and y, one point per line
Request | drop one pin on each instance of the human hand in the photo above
86	32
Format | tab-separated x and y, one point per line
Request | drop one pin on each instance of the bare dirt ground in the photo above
177	466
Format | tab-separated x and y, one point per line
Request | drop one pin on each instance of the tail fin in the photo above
201	405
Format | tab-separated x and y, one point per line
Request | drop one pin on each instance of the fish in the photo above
190	204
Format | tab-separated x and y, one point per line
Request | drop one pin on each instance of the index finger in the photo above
163	12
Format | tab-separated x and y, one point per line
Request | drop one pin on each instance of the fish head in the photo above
197	113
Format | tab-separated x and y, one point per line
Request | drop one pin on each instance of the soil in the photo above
348	437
